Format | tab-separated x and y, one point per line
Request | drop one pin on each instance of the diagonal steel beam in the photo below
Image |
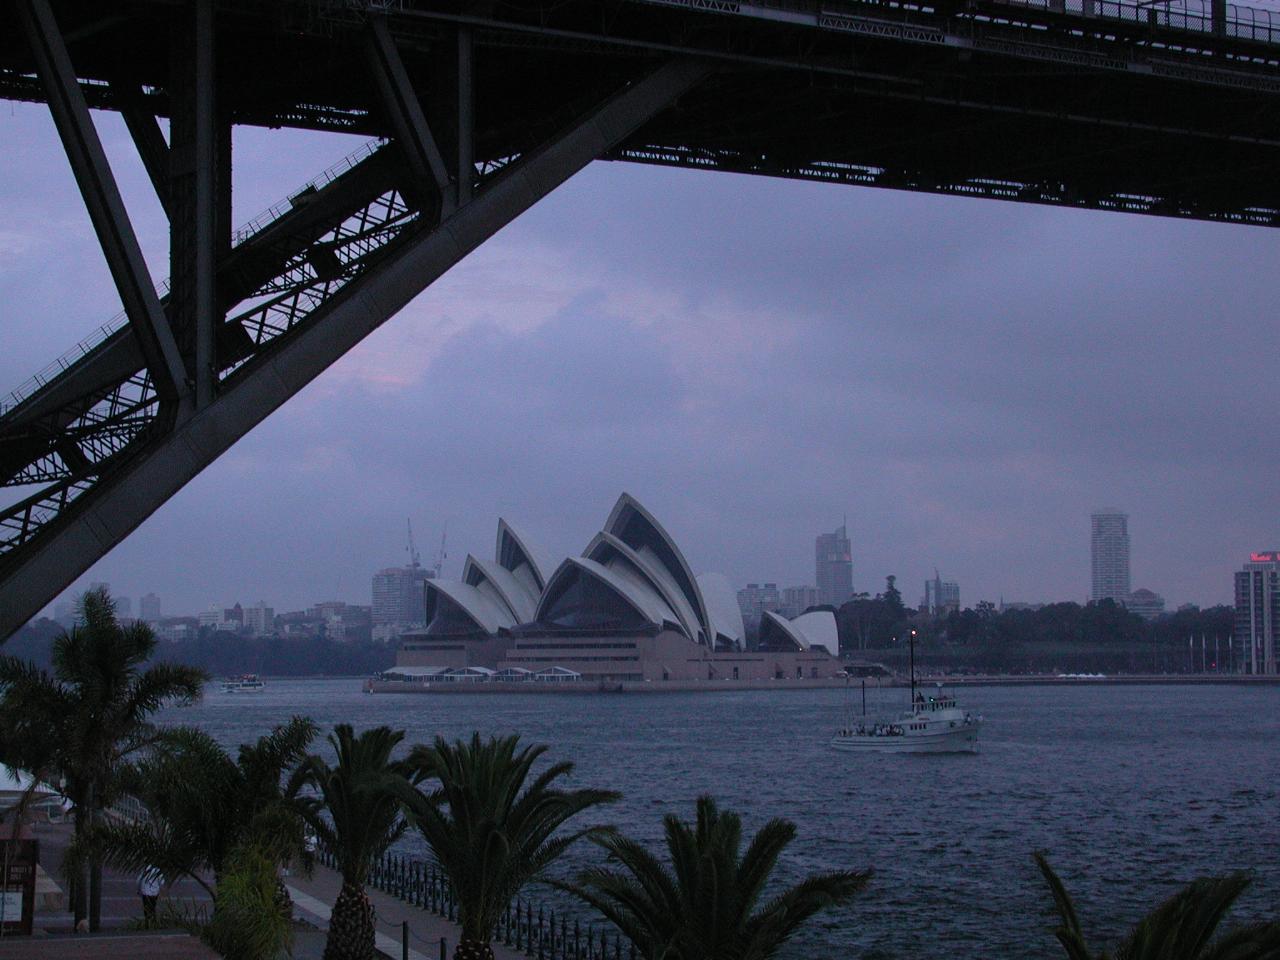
246	268
149	141
105	515
102	197
404	111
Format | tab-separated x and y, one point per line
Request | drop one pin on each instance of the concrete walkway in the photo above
120	901
313	901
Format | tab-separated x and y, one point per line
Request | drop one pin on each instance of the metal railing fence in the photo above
537	931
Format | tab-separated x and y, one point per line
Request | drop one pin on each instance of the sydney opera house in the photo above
629	610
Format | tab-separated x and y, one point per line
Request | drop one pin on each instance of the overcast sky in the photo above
752	358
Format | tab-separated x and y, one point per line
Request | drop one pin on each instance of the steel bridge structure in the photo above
476	109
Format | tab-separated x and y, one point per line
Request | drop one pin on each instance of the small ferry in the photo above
933	724
245	683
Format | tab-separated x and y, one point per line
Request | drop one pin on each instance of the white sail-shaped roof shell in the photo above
814	629
630	588
482	607
819	630
503	586
635	526
618	556
722	605
774	628
523	558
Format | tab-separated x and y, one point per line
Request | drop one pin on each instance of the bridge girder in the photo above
479	109
303	316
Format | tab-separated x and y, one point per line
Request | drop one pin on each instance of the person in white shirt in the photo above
150	881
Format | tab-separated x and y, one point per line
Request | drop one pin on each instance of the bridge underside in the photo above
479	109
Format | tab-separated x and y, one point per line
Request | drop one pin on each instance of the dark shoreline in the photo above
730	686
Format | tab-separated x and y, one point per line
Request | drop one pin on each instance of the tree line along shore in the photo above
1057	638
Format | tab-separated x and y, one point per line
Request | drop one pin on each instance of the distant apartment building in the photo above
149	608
941	597
834	567
1145	603
1109	547
796	600
1258	611
343	622
399	597
756	598
222	619
260	620
175	629
326	609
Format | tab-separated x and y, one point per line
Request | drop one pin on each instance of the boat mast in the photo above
912	646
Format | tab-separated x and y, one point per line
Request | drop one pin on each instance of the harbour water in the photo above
1132	790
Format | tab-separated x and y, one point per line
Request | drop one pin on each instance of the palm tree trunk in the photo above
350	926
95	897
469	949
80	879
95	866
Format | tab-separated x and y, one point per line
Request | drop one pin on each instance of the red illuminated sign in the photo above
1270	556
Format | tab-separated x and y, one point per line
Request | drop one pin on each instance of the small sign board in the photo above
17	885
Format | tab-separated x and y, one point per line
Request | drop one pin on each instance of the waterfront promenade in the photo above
314	896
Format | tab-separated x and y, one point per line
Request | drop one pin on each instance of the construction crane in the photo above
415	561
444	533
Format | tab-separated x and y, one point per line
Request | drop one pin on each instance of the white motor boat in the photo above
933	724
245	683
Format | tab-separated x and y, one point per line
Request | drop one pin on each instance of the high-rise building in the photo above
1258	610
941	597
1110	555
834	567
149	608
796	600
399	599
756	598
260	620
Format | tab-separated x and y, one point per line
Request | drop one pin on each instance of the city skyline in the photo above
960	418
786	596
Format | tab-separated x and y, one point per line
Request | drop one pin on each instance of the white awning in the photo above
414	671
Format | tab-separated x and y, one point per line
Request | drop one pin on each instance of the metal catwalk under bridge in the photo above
475	110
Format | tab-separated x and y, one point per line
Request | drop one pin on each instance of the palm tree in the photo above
204	808
1180	928
88	717
354	809
707	904
490	827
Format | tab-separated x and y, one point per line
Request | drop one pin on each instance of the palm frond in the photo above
702	906
1182	926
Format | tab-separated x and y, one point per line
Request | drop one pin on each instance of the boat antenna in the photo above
912	647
